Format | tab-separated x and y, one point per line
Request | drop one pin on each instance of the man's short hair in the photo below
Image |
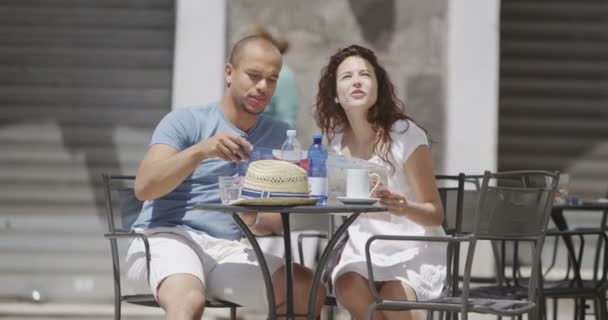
237	49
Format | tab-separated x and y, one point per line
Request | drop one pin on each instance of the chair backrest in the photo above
459	196
122	207
515	206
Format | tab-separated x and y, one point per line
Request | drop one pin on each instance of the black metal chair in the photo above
558	283
507	210
122	208
586	248
459	196
574	284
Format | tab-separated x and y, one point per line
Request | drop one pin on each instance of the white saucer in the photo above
347	200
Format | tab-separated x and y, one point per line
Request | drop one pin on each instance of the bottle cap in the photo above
317	137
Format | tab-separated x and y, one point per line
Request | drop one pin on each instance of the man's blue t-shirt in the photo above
183	128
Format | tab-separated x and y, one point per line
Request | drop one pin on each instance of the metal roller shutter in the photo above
82	85
554	90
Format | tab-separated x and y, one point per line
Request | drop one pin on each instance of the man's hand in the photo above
228	146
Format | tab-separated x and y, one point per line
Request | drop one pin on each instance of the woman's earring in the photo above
336	100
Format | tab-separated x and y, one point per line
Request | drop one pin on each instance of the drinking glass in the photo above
230	188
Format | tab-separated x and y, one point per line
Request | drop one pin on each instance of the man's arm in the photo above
263	223
164	167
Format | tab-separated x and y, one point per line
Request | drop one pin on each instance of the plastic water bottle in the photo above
317	170
291	150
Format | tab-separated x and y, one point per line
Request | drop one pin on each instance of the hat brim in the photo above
275	202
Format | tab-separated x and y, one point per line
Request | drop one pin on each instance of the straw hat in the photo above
274	182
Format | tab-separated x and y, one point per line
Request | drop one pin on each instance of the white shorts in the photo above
228	269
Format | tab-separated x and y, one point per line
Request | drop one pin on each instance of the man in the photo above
197	255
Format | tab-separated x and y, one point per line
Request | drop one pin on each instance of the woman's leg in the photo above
397	290
352	290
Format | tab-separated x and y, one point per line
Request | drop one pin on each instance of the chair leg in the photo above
541	309
232	313
580	309
117	308
371	310
583	308
441	315
596	307
555	308
600	306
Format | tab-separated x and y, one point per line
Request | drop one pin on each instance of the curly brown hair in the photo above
387	110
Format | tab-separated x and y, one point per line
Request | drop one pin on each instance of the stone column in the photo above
409	37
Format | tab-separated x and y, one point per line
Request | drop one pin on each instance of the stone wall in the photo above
409	37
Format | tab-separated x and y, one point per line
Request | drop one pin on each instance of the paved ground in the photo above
30	311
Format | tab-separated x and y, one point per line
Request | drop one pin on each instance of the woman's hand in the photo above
394	202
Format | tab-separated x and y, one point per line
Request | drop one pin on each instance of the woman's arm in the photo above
427	210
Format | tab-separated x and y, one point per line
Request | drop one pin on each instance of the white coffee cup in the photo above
357	183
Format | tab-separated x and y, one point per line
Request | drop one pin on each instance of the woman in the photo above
357	109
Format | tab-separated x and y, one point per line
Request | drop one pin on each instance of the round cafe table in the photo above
285	212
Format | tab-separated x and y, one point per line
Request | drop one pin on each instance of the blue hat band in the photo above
257	194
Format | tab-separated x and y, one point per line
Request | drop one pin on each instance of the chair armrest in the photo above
368	259
576	232
123	234
131	234
319	235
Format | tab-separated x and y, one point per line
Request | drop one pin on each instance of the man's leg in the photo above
182	296
176	274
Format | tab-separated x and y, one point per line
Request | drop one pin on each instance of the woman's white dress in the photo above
420	264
